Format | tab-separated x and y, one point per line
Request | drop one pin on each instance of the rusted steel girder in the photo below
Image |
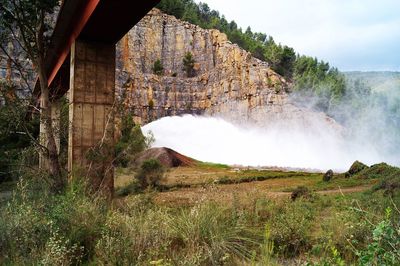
63	45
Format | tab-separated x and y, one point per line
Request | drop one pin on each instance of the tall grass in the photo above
210	235
73	227
38	227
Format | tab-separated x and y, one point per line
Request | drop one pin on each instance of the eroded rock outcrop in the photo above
228	81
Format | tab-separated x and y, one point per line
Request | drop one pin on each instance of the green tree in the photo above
188	64
281	58
319	79
158	67
131	142
205	13
26	23
16	132
150	174
191	14
173	7
249	32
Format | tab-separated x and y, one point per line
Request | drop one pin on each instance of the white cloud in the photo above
351	34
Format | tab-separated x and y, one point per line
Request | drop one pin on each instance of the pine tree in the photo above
188	64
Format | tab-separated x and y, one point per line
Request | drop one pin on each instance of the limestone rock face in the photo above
228	81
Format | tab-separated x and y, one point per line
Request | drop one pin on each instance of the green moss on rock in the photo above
355	168
328	176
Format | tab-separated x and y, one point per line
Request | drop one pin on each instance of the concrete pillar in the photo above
91	132
55	106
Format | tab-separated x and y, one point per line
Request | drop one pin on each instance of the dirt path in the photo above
324	192
344	190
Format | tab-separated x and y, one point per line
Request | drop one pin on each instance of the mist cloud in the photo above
216	140
367	129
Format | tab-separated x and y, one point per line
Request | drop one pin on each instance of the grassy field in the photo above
187	185
331	225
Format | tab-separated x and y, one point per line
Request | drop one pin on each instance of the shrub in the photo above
390	185
131	142
151	104
269	82
24	231
343	231
188	64
132	188
278	86
13	121
385	245
290	228
158	67
40	227
333	259
150	174
59	251
300	192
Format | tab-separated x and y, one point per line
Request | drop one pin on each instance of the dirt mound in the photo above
166	156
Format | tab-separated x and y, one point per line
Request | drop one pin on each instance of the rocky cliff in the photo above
227	80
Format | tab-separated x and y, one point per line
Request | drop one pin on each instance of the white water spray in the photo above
216	140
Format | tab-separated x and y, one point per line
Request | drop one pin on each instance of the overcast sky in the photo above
350	34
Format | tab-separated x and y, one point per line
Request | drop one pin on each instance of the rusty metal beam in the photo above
62	46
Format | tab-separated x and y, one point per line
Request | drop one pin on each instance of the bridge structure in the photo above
81	61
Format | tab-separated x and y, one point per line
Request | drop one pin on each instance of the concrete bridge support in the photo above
91	119
83	48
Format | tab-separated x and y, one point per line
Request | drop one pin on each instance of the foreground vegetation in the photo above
38	226
73	226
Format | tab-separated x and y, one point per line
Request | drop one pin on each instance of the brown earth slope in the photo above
166	156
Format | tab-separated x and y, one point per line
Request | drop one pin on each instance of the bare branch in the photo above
18	66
